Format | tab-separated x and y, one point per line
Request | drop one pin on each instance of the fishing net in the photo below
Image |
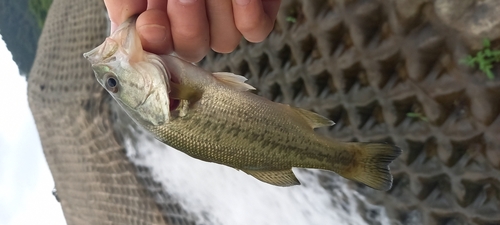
95	182
391	71
386	71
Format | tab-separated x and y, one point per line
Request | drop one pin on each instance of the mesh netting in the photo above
389	71
95	181
364	64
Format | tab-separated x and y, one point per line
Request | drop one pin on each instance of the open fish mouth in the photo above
171	77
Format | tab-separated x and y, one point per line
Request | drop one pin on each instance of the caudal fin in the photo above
374	169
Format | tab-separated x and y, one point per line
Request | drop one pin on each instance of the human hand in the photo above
192	27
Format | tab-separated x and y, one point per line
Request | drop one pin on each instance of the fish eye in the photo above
112	84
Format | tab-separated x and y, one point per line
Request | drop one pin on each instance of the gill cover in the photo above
135	79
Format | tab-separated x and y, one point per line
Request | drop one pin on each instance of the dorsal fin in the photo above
313	119
233	80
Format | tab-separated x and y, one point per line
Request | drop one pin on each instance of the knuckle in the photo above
189	34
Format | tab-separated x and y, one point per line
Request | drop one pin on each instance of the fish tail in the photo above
372	168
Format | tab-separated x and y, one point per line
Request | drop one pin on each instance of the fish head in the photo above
136	79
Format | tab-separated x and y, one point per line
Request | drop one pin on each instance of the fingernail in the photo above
242	2
153	33
185	2
113	27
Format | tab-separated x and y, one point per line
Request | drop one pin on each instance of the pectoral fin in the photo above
282	178
183	92
313	119
233	80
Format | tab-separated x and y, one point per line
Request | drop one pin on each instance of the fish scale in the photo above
291	145
219	120
189	130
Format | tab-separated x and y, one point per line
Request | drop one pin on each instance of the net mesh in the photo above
95	182
390	71
382	70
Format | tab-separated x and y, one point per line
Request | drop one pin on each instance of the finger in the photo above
255	18
157	4
121	10
154	30
189	27
224	36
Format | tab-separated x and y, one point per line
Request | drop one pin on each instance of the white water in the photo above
230	197
25	179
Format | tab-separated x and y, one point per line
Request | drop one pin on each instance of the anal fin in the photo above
282	178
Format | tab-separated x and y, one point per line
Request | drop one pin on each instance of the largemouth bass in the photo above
214	117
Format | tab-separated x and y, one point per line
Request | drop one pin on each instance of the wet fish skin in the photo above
213	117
